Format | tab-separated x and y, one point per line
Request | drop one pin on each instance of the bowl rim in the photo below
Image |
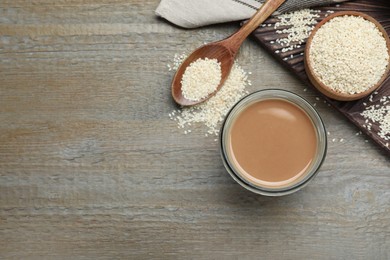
327	91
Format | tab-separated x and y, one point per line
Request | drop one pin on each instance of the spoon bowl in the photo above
224	51
212	51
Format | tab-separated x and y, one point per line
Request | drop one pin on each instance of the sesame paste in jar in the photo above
273	143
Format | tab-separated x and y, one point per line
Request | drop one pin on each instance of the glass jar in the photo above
236	170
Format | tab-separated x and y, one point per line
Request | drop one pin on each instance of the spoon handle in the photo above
260	16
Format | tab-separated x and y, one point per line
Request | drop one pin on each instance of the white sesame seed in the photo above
380	115
212	112
201	78
296	25
353	65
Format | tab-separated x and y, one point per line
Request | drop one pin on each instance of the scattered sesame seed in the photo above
212	112
296	25
379	114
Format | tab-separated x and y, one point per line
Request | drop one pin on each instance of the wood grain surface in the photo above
91	166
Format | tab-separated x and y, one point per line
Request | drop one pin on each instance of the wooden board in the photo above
293	60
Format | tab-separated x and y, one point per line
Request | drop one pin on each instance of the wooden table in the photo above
91	166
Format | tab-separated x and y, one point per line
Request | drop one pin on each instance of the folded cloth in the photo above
196	13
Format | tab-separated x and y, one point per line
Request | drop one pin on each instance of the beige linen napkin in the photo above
196	13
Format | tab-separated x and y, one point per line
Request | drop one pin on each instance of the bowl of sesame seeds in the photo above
347	56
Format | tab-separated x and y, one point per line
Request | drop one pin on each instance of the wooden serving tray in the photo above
380	10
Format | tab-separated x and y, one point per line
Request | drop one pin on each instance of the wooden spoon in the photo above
224	51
